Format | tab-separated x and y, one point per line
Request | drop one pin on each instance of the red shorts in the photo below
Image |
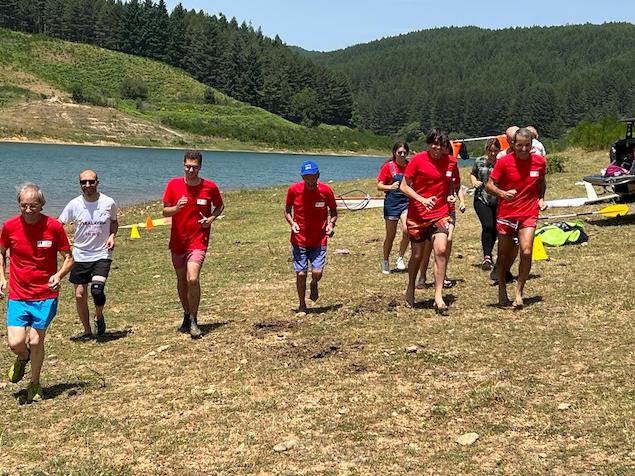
194	256
423	230
510	226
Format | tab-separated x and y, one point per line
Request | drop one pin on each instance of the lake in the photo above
132	175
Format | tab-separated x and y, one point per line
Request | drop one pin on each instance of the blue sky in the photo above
326	25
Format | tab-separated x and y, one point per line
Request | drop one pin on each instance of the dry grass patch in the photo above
361	385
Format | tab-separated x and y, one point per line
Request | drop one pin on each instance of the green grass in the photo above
174	99
148	400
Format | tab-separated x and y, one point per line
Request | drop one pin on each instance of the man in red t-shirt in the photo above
518	180
193	203
33	241
428	183
311	212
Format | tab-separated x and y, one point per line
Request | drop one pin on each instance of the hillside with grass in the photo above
72	92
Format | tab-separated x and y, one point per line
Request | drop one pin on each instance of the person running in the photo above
95	217
427	182
311	212
395	204
518	180
484	203
33	241
427	249
193	203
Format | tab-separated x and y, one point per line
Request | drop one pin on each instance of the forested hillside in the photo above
55	89
477	81
236	59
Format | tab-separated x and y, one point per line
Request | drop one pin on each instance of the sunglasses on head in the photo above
88	182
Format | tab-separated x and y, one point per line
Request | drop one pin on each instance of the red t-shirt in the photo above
386	171
187	234
429	178
32	256
524	176
310	209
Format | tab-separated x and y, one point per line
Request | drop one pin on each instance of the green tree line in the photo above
476	81
234	58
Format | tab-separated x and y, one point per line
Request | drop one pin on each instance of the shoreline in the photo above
51	141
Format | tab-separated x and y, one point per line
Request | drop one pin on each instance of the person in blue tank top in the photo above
395	204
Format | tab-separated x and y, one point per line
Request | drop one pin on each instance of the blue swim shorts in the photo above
34	314
303	256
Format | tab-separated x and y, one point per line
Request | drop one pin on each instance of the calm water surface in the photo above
133	175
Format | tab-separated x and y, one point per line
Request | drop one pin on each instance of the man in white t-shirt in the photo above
95	217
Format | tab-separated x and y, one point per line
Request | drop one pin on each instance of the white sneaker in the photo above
385	267
401	265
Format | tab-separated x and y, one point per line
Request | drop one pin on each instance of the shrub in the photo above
134	88
209	97
555	164
77	93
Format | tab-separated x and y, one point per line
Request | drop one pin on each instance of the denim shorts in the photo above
34	314
303	256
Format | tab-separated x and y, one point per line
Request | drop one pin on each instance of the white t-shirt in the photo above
92	226
538	148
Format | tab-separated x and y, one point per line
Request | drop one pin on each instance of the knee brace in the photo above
97	291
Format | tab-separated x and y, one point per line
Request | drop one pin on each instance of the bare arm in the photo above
492	189
476	183
382	187
542	188
332	220
114	228
406	188
3	263
171	210
54	281
288	215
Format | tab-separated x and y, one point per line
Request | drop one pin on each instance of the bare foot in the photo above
421	284
518	303
314	295
503	300
442	309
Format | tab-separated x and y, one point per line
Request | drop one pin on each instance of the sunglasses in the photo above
87	182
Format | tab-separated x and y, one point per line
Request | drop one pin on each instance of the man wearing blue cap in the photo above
311	212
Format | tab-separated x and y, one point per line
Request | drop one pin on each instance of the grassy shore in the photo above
362	384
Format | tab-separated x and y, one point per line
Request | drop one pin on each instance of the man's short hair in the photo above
31	186
437	136
524	132
534	132
193	155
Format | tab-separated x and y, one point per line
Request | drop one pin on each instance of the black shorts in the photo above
82	273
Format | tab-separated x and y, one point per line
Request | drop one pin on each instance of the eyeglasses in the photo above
193	167
87	182
29	206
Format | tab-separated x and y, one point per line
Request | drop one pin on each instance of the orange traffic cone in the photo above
149	223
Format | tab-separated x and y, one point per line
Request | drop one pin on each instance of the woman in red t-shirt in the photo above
395	203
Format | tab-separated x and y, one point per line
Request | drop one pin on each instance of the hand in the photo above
3	287
206	222
110	244
478	184
295	228
54	282
428	202
508	194
451	198
330	229
542	204
181	203
462	206
395	186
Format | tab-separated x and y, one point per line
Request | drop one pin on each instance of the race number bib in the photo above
44	243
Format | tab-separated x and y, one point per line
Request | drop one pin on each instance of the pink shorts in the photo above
510	226
191	256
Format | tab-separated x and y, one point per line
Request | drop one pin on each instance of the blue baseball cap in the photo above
309	167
